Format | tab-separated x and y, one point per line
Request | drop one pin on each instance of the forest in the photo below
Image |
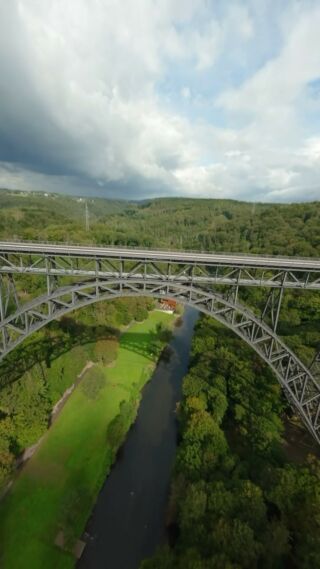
235	479
238	498
176	223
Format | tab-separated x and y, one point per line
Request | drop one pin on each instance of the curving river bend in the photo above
128	520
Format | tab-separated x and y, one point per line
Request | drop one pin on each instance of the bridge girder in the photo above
213	272
74	281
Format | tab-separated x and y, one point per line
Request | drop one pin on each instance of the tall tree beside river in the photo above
237	500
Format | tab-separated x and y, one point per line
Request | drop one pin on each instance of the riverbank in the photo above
128	521
53	495
232	481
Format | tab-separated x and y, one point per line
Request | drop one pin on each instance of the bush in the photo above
106	351
118	428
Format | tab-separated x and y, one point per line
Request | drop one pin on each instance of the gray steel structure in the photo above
70	277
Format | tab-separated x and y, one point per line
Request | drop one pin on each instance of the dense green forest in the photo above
219	225
236	500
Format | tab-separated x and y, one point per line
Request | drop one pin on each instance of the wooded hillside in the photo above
179	223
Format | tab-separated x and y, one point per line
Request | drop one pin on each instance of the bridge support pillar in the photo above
271	310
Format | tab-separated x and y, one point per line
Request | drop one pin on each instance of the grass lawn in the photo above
57	488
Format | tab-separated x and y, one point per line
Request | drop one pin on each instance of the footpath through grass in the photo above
57	488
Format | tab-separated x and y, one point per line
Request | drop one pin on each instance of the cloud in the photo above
280	82
141	98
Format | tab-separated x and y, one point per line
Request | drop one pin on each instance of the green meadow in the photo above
55	491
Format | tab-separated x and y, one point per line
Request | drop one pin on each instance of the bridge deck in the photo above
227	259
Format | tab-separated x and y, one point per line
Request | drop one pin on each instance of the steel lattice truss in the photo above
65	278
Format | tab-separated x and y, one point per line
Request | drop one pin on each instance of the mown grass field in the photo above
57	488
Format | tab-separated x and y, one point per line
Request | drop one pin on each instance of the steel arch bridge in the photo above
42	282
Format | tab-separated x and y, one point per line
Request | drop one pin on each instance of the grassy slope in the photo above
58	486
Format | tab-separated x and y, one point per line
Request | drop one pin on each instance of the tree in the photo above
163	559
106	351
194	505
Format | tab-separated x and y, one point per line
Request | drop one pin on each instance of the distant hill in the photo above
177	223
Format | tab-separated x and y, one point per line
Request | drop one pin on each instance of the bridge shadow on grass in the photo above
62	337
146	344
55	342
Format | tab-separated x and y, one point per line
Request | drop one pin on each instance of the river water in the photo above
128	520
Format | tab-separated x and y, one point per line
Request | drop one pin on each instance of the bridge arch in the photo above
301	389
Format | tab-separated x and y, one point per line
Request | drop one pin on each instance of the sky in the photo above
143	98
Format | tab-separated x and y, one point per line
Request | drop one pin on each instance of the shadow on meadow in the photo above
60	337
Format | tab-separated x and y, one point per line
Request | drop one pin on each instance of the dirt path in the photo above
60	404
28	452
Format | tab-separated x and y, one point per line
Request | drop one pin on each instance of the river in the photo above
128	520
